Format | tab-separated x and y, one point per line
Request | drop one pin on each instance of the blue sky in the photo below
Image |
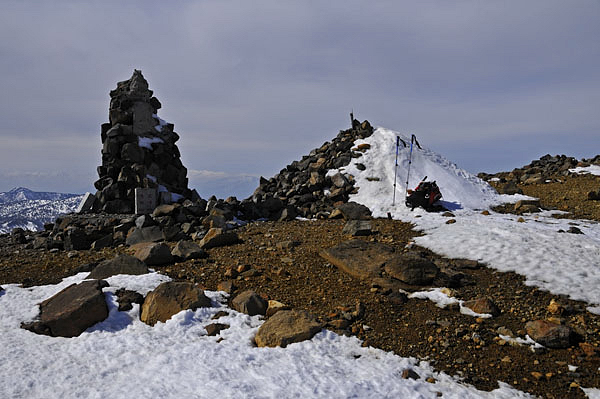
252	86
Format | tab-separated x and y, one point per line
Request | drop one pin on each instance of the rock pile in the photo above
545	169
304	187
138	150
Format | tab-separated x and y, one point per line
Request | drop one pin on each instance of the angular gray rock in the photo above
218	238
170	298
286	327
154	254
250	303
354	211
185	250
145	234
411	268
72	311
359	258
357	228
121	264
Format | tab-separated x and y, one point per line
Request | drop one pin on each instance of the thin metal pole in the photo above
396	169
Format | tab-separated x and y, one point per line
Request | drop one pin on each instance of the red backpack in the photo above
425	195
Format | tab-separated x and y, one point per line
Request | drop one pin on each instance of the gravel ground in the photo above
280	261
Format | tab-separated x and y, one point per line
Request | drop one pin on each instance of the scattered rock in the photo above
72	311
411	268
170	298
354	211
286	327
357	228
359	258
549	334
154	254
126	298
218	238
410	373
274	307
226	286
145	234
121	264
250	303
483	306
215	328
185	250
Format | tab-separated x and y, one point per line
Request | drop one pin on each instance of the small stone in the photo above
215	328
274	307
410	373
451	221
521	220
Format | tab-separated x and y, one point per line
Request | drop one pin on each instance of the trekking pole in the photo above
398	140
396	169
413	139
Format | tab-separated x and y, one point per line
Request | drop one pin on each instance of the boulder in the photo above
549	334
359	258
483	306
154	254
185	250
411	268
145	234
250	303
170	298
72	311
121	264
354	211
103	242
286	327
357	228
218	238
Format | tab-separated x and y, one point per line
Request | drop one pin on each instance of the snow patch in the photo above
146	142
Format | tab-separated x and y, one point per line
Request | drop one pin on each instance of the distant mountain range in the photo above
27	209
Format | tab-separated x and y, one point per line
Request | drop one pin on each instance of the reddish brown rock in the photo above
483	305
171	298
549	334
71	311
286	327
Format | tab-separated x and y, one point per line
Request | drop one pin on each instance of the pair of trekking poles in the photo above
413	141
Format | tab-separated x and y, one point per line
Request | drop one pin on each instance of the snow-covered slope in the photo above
21	207
123	357
537	247
460	189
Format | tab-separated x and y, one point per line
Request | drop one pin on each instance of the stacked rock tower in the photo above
138	150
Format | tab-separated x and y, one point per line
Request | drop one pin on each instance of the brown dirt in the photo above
568	194
299	277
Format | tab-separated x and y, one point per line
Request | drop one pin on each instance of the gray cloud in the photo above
251	86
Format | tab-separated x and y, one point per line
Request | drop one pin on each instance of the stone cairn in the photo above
138	151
